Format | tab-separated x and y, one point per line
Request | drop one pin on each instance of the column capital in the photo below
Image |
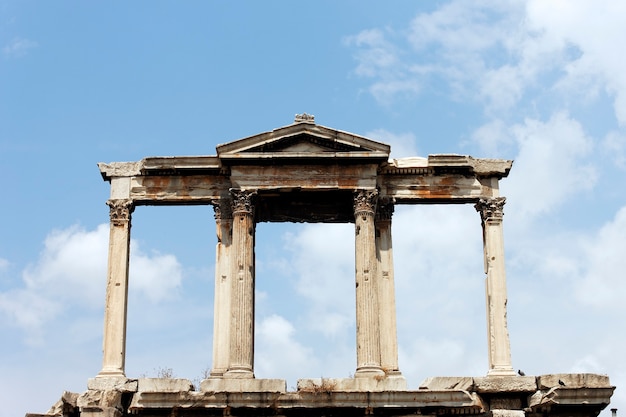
243	200
222	209
491	208
384	209
120	211
365	201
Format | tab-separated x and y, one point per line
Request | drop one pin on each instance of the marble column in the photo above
221	304
114	339
241	348
491	213
387	299
367	291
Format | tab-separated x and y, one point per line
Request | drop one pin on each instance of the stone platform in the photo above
515	396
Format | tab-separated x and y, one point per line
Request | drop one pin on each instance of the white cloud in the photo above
71	272
596	28
614	146
278	354
500	53
553	163
602	285
402	145
18	47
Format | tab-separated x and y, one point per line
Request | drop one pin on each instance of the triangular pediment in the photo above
304	140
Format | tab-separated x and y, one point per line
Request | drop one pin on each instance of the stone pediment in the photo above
303	140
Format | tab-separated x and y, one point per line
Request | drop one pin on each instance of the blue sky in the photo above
540	82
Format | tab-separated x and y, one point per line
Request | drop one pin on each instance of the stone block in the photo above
438	383
164	385
94	399
243	385
507	413
498	384
112	383
374	384
573	381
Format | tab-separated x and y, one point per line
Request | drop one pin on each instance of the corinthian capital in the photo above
120	211
385	209
243	201
365	201
490	208
222	209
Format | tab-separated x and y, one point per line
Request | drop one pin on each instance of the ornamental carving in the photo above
304	117
365	201
243	201
490	208
120	211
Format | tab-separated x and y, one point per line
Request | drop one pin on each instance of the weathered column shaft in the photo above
114	339
387	299
367	291
241	357
491	212
221	314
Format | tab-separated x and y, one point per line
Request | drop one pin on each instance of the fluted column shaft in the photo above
221	305
367	324
491	213
241	357
387	299
116	302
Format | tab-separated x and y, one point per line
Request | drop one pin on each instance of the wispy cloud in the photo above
18	47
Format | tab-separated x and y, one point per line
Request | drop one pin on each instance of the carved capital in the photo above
490	208
365	201
120	211
385	208
222	209
243	201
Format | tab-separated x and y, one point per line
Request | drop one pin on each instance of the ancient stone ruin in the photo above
305	172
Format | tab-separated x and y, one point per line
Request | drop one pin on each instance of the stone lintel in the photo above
243	385
373	384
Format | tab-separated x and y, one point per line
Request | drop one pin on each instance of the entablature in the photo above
301	158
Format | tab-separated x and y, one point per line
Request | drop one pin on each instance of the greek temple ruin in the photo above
305	172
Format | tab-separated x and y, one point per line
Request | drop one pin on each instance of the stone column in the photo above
491	214
241	356
221	304
114	339
367	291
387	299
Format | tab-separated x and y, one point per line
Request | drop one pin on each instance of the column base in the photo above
501	371
238	374
369	372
